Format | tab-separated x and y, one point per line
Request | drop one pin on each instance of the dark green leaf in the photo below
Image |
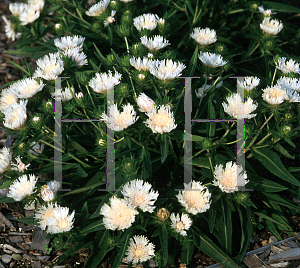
94	227
273	163
164	148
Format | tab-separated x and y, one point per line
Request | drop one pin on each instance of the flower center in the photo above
180	225
63	224
161	120
139	252
122	119
49	68
276	94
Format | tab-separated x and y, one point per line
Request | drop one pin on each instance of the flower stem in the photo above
256	136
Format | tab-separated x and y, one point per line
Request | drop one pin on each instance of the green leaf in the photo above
264	185
19	67
93	227
246	228
211	115
281	7
208	247
164	148
27	53
76	191
81	172
201	162
187	251
70	251
226	233
5	199
122	251
193	63
273	163
280	149
98	255
28	220
270	219
104	201
164	238
79	147
212	217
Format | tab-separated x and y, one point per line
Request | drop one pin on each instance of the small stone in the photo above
272	239
15	239
38	240
29	213
43	258
24	247
6	258
36	264
276	249
279	265
292	254
16	257
264	242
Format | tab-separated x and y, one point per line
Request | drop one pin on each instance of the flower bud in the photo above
163	214
145	103
47	194
97	27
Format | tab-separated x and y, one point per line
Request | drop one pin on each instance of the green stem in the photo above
210	163
256	136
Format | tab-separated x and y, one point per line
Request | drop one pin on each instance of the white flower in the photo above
66	42
272	27
154	43
17	8
229	179
139	250
64	95
267	12
274	95
75	54
137	194
166	69
60	221
79	95
289	83
28	87
29	15
43	213
140	64
126	1
211	59
161	21
57	26
36	119
15	115
49	67
5	159
119	215
119	121
36	4
22	187
54	185
37	148
141	76
200	91
195	197
98	8
10	30
161	119
49	190
145	21
180	225
9	96
30	206
46	194
104	82
289	66
205	36
250	82
145	103
237	108
20	166
292	96
150	55
110	19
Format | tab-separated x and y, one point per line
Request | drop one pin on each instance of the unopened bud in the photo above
163	214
